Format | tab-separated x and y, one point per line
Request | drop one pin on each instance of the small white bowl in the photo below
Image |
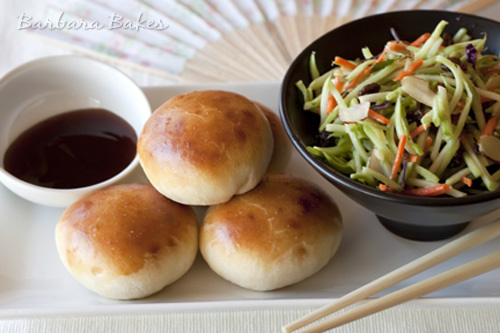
45	87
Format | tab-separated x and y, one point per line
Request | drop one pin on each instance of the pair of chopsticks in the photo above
440	281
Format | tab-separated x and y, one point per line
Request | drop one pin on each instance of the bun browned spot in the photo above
203	147
127	241
281	232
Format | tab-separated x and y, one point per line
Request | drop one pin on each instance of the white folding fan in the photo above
214	40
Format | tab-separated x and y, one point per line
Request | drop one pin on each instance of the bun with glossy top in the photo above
203	147
127	241
284	230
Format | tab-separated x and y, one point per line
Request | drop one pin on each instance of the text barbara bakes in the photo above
113	22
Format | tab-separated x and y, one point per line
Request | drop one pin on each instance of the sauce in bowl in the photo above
71	150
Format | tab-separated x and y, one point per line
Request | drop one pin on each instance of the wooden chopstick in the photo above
452	249
443	280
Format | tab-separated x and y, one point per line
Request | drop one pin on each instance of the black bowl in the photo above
410	217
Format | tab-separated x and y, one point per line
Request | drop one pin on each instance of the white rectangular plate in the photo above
33	280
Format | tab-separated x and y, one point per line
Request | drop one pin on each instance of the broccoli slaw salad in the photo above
420	118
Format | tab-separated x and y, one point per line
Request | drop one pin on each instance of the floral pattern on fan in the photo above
215	40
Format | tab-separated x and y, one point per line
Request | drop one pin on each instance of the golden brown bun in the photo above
203	147
282	147
281	232
127	241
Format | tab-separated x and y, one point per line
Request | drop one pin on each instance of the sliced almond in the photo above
489	146
355	113
375	164
418	89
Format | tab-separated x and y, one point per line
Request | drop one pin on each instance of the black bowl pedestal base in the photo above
420	232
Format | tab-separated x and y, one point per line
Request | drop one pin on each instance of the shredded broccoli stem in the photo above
318	82
313	105
459	81
351	130
460	35
360	68
377	77
382	178
313	68
435	35
441	116
303	89
447	89
402	128
489	182
367	54
457	176
444	157
328	86
426	173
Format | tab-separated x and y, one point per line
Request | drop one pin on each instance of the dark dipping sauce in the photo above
74	149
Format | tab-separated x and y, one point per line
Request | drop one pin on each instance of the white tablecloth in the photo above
427	316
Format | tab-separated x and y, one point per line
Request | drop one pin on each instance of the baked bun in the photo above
282	148
203	147
127	241
281	232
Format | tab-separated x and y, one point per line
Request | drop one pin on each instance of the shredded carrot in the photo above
461	104
467	181
399	157
380	57
463	138
429	191
344	63
394	45
410	70
378	117
425	150
384	188
414	158
367	71
332	103
492	69
485	99
417	130
427	145
420	40
358	78
338	84
490	125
